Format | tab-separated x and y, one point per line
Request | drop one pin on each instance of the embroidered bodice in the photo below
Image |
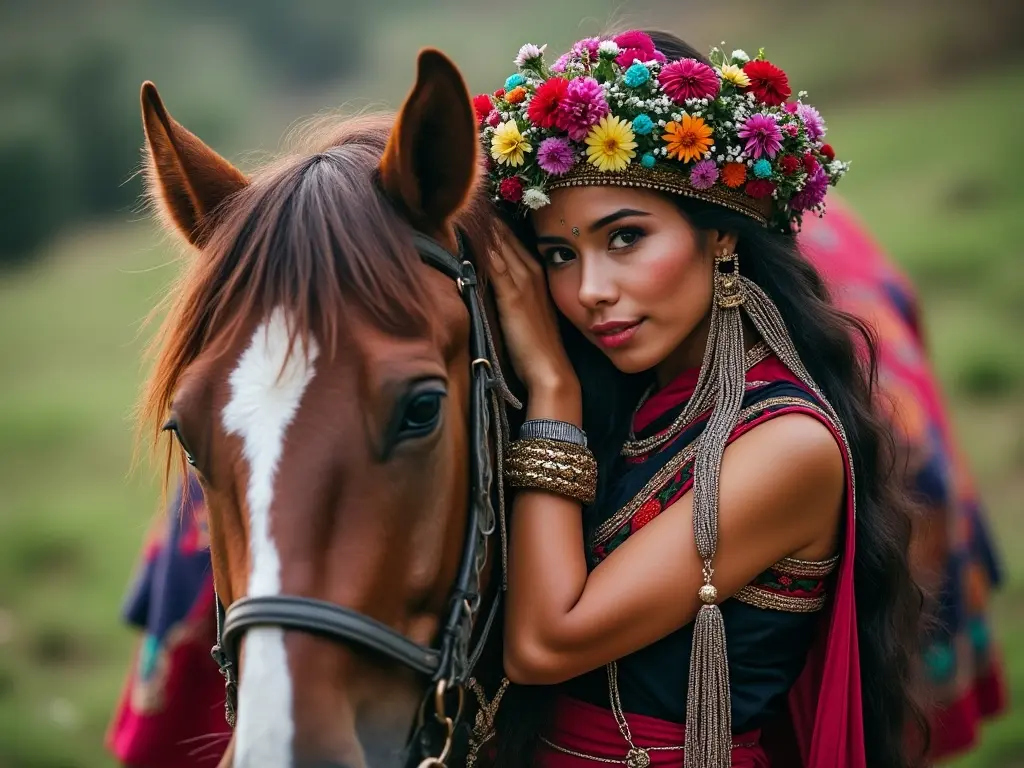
770	623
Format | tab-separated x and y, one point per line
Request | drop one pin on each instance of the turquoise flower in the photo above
647	161
762	169
637	75
642	125
514	81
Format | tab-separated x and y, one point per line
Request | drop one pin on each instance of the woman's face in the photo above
636	280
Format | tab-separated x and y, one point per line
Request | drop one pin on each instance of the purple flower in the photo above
559	66
812	121
813	192
555	156
581	107
762	134
704	175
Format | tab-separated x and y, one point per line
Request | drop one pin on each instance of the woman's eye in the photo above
559	256
422	415
623	238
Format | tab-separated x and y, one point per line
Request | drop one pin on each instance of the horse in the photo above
326	367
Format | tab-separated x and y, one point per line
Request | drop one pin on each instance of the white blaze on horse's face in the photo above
267	386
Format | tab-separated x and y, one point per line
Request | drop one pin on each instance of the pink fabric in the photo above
592	730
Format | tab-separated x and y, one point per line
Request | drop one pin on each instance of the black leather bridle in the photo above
448	664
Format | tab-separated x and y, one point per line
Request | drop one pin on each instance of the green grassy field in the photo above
936	180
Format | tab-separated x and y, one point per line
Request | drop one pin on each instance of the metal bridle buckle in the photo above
441	716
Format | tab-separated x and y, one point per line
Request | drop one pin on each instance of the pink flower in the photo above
791	129
555	156
813	192
636	45
581	107
704	175
791	107
559	66
588	46
688	79
762	134
494	118
511	189
812	120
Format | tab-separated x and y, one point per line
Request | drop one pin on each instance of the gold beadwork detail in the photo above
552	465
662	179
806	569
773	601
708	594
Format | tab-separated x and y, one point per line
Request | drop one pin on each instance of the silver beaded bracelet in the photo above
549	429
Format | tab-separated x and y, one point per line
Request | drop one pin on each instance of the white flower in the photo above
608	48
740	55
529	53
535	198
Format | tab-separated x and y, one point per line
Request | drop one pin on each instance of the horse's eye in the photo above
172	427
422	414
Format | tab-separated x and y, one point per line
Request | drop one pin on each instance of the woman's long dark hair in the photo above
889	603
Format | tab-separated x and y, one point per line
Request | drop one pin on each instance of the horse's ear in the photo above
186	178
430	163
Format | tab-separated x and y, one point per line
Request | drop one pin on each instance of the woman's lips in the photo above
612	335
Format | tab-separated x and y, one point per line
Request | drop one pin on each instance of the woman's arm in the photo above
782	488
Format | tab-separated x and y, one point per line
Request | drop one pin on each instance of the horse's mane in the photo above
313	233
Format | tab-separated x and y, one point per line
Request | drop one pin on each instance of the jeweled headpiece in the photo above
615	111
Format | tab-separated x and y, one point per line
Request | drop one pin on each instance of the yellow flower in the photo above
508	145
735	75
610	144
688	139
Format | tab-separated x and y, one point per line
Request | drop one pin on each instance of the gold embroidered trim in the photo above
806	569
663	475
773	601
662	179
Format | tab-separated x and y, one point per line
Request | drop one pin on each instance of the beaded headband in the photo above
616	112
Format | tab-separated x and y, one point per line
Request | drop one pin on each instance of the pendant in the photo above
638	758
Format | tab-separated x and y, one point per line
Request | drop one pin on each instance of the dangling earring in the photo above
728	291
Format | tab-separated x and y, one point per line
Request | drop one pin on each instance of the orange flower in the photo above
516	95
688	139
734	174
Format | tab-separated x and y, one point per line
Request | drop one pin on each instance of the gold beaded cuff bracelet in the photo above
552	465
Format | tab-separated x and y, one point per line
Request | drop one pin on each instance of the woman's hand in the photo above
528	319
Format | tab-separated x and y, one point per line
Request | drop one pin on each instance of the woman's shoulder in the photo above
792	469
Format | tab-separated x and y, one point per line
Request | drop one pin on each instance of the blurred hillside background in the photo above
925	97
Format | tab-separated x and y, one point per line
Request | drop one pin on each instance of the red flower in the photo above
482	106
759	188
827	151
810	163
785	581
500	93
649	510
767	82
511	189
543	109
790	164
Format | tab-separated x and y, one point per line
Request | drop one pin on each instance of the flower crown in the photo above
615	111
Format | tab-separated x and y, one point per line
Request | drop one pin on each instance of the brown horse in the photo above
321	371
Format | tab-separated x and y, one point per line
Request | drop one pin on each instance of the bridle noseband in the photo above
450	664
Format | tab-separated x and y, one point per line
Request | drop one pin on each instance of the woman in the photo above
696	419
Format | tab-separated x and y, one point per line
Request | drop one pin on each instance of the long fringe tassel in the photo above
709	706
